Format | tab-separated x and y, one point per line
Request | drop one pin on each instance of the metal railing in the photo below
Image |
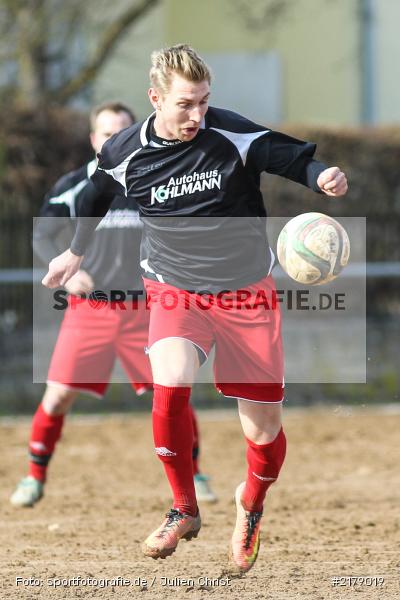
372	269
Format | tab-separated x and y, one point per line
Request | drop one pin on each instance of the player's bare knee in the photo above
174	362
261	422
267	434
57	400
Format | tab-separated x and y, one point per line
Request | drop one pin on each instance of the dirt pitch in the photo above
334	512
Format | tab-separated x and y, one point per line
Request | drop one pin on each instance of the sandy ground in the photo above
333	514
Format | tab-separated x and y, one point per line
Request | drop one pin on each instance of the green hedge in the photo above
35	150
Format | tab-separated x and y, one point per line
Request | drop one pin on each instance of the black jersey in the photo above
200	201
112	257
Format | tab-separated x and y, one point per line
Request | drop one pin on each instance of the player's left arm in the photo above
281	154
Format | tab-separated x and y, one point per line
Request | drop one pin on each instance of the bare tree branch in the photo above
74	17
12	7
31	24
7	20
111	36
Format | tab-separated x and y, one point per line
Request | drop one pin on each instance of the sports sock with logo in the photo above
45	432
196	441
173	440
264	463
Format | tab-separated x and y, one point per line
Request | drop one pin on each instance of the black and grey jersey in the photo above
200	201
113	255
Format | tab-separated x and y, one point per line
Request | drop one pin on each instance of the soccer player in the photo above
91	338
195	172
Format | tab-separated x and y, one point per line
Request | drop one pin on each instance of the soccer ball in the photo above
313	248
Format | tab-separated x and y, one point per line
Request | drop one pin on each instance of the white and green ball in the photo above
313	248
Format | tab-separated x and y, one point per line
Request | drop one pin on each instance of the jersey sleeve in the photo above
60	200
45	230
108	181
281	154
54	217
104	182
91	208
106	177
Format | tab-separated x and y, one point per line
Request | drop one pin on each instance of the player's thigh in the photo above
249	347
131	344
179	334
174	362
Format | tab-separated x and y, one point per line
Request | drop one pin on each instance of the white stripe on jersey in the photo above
91	168
69	196
272	264
242	141
146	267
119	172
143	130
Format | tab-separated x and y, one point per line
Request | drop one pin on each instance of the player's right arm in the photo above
94	204
55	216
108	180
61	269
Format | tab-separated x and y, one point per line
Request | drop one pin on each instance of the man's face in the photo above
107	123
181	109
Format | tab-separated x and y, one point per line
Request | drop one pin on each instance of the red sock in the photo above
264	463
196	441
173	439
45	432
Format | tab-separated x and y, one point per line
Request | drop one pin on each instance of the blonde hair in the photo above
180	59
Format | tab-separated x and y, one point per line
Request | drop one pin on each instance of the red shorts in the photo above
244	325
92	336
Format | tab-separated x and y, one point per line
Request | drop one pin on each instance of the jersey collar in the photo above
145	138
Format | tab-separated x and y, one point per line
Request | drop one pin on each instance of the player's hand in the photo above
80	283
61	269
333	182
